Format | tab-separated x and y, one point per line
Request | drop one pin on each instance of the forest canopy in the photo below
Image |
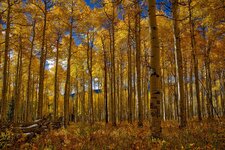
112	61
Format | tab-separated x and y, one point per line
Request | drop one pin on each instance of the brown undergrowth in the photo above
204	135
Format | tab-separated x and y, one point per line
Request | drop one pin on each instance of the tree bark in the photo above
191	91
129	72
83	110
17	85
222	92
186	89
28	114
5	65
179	65
42	66
105	81
195	61
56	86
113	67
138	63
163	110
208	81
155	90
67	85
89	65
121	88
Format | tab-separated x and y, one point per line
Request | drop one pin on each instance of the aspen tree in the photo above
28	109
5	65
195	60
179	65
138	62
155	90
67	85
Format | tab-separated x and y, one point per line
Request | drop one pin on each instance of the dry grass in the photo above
205	135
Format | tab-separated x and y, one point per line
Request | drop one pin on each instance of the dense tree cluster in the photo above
117	60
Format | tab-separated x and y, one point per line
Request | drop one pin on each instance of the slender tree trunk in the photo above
117	90
143	83
170	98
176	100
32	98
195	60
89	65
113	68
208	80
179	65
191	91
83	110
42	66
203	102
155	90
110	76
129	72
105	81
5	65
28	114
138	64
10	93
67	85
56	86
18	115
121	88
16	99
91	91
45	98
163	84
186	89
134	77
76	101
222	92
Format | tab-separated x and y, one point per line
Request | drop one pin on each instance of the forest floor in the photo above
205	135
